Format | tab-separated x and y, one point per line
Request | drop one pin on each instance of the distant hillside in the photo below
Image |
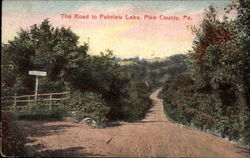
154	72
135	60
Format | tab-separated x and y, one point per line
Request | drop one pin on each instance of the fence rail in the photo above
31	98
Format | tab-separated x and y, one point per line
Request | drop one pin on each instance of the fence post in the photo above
15	102
50	97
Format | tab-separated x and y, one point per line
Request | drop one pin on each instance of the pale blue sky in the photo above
55	6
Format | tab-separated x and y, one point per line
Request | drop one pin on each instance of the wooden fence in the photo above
12	101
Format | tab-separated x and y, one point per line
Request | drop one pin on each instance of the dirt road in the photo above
154	136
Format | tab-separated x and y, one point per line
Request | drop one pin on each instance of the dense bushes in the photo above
79	106
137	103
214	94
43	111
186	106
88	105
69	67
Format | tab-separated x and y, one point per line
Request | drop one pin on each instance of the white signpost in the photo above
37	73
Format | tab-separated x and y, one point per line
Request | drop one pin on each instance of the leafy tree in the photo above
219	73
69	67
44	48
220	68
56	51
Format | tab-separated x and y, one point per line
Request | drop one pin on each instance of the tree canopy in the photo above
216	92
57	51
69	67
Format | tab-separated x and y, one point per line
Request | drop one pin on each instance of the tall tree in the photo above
42	47
220	68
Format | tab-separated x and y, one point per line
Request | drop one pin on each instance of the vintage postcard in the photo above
125	78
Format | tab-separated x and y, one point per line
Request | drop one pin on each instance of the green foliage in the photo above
181	103
69	67
153	74
88	105
99	74
215	93
43	111
145	77
43	48
137	103
80	106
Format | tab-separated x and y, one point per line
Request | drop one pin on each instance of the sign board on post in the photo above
37	73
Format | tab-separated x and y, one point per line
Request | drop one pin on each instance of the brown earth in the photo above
154	136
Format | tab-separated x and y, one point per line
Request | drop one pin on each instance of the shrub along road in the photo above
154	136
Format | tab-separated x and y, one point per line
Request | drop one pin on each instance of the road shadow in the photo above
108	124
141	122
47	130
68	152
149	112
150	121
40	128
30	130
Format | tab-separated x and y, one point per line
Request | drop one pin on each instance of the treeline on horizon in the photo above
214	94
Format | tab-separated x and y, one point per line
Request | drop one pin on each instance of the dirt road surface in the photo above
154	136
